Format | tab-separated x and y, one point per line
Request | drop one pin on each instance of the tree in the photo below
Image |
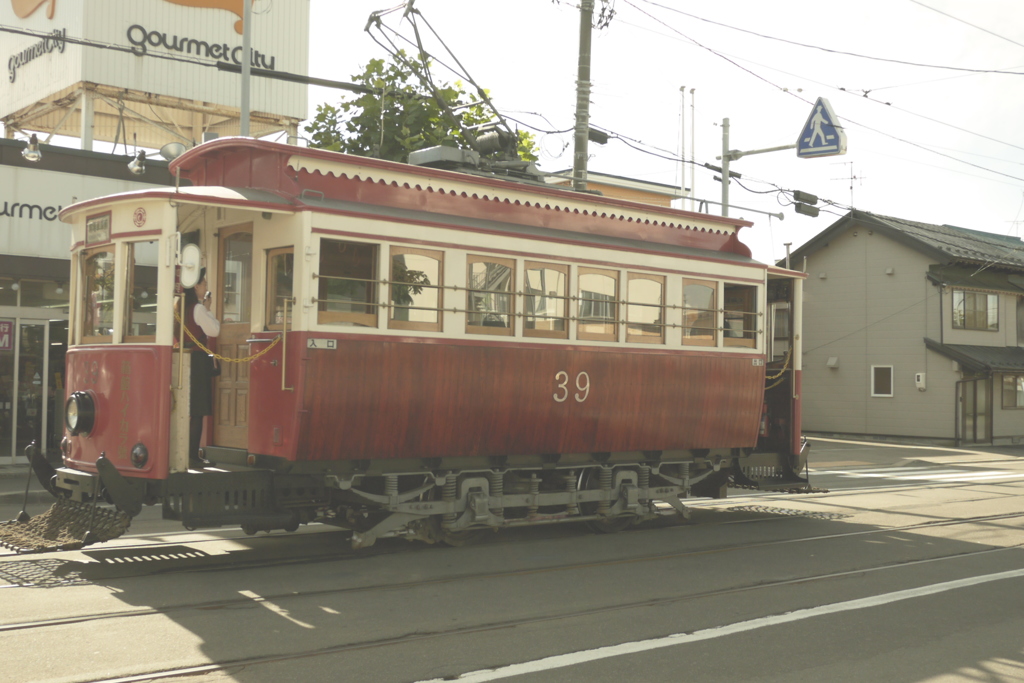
401	115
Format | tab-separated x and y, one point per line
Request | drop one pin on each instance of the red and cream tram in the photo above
419	352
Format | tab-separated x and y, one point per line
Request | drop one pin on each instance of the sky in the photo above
931	137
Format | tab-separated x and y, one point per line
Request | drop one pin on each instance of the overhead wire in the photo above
830	50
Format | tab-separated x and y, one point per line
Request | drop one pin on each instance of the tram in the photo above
417	351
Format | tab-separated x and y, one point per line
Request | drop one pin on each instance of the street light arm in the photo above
735	154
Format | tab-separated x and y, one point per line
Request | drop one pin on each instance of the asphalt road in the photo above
910	569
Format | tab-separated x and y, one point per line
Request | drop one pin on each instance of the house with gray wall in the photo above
913	330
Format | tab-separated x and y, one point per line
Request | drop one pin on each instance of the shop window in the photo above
8	292
599	305
699	314
140	306
546	301
489	304
975	311
645	308
740	315
416	289
881	381
97	296
280	274
347	291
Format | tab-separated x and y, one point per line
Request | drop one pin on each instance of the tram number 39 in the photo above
563	390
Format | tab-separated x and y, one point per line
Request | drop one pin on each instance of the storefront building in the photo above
34	273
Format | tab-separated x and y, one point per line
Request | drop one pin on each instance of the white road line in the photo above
574	658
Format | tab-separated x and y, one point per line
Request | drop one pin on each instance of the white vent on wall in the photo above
832	362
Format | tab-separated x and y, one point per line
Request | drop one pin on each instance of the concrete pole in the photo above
579	161
682	145
725	167
246	66
88	121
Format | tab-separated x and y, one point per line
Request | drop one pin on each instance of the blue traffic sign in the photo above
821	136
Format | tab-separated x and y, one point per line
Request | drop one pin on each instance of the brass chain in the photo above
217	355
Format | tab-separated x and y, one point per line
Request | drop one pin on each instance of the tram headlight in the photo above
80	413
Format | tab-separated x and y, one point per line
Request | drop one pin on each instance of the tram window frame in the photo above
130	289
610	321
365	319
529	297
85	257
631	305
733	292
272	296
393	291
710	339
508	294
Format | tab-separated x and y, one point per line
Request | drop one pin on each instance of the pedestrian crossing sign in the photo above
821	136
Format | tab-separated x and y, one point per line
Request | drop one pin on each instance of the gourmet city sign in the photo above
142	38
56	41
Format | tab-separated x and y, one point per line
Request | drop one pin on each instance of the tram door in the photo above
234	285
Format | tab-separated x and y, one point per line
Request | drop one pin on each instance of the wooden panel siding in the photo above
388	398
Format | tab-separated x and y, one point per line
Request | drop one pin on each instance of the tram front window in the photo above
97	295
140	307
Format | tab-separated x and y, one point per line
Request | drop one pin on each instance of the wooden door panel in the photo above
231	418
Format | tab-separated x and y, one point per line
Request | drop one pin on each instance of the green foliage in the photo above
400	116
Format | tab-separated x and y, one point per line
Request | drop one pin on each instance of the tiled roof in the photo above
982	358
958	243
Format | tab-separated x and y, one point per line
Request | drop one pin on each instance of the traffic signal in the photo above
803	203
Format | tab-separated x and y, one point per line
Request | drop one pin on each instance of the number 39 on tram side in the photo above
418	352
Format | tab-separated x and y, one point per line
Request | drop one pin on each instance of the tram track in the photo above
513	573
413	637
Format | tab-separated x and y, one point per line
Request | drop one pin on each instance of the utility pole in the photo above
579	162
243	123
682	144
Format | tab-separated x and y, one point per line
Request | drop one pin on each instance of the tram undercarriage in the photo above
609	492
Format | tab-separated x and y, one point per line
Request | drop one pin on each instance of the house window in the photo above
416	294
975	310
881	381
347	293
1013	391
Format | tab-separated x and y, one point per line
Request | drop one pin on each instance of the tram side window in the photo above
489	304
417	296
98	295
699	314
280	273
546	300
140	306
740	315
347	292
645	308
599	305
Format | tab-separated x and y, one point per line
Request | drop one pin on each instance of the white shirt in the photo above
207	323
